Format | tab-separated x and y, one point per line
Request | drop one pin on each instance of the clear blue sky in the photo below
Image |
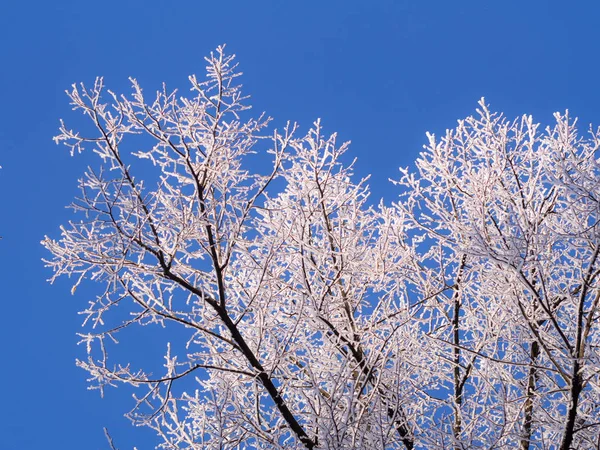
381	73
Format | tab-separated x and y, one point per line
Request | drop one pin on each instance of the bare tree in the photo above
504	220
297	315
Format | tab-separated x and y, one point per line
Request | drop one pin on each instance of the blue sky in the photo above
381	73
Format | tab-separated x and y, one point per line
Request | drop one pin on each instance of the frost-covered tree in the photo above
295	314
504	222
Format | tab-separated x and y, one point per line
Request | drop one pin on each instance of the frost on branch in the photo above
296	314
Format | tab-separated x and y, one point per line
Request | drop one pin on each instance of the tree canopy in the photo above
464	314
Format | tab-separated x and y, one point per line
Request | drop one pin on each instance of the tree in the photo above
298	315
507	220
